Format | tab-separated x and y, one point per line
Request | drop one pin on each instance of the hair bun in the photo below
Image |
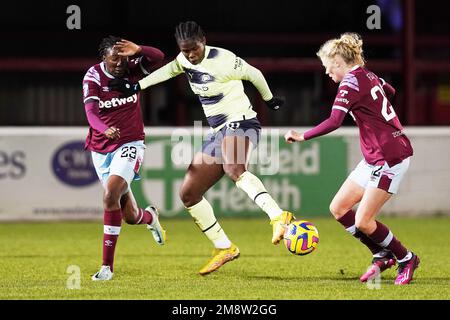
351	39
349	46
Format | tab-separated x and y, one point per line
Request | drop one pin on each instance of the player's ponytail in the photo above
348	46
188	30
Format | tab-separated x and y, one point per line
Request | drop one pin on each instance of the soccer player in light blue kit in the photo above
215	76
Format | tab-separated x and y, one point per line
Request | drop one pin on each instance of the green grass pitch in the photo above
34	259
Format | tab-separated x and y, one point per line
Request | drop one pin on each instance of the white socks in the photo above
406	258
258	193
203	215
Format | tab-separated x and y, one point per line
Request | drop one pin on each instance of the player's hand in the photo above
127	48
112	133
275	103
293	136
124	86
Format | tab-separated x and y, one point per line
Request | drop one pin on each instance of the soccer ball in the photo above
301	237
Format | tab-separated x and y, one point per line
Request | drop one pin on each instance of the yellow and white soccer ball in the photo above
301	237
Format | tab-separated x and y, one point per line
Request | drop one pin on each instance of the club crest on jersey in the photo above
198	77
206	78
117	102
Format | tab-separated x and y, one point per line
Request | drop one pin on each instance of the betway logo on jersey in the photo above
343	100
116	102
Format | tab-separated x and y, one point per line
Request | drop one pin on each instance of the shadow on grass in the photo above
440	281
303	279
29	256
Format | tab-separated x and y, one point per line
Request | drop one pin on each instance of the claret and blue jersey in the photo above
123	113
362	94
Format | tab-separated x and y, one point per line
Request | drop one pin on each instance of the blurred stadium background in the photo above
45	175
42	115
42	61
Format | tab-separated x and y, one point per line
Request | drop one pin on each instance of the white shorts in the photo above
382	176
125	162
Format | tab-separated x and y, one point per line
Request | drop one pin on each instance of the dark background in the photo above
42	63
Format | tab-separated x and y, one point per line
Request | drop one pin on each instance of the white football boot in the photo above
103	275
159	234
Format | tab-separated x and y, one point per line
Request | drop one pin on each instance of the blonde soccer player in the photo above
385	147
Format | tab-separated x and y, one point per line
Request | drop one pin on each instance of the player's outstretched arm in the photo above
293	136
162	74
332	123
256	77
166	72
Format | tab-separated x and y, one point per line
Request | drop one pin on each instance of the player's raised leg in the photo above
132	214
236	152
204	172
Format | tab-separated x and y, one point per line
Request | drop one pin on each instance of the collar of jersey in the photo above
355	67
102	66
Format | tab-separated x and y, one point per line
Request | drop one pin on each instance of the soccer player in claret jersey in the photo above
215	76
386	151
116	140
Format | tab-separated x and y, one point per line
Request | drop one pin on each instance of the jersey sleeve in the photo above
346	98
91	85
93	116
239	69
388	89
136	68
149	59
150	56
162	74
332	123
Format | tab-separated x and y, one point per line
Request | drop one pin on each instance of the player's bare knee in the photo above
336	210
188	197
111	199
233	171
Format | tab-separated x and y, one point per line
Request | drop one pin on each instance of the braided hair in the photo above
106	44
188	30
